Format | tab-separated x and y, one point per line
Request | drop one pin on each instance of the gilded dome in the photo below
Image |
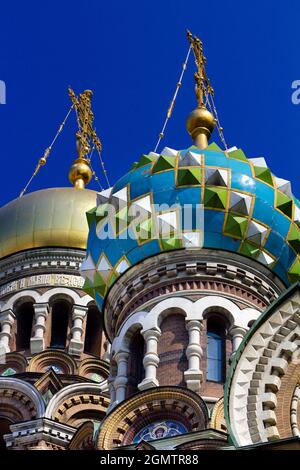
244	208
49	217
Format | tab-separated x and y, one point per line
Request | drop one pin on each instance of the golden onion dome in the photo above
46	218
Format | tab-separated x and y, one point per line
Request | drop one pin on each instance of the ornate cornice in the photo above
44	260
30	433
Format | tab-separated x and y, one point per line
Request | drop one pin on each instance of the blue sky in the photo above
130	54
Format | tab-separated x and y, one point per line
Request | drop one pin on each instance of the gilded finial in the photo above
201	122
80	173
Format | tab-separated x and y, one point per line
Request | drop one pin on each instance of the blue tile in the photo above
135	256
213	221
242	182
151	248
280	223
263	211
99	301
239	167
281	273
230	244
265	192
188	195
215	159
287	257
275	243
140	187
165	196
212	240
163	180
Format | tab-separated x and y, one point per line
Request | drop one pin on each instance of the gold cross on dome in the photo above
85	117
203	85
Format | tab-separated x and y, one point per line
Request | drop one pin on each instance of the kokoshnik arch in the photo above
124	322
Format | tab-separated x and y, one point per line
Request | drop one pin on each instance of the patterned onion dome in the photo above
242	208
45	218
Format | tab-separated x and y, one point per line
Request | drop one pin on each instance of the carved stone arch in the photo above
19	400
132	324
78	403
129	417
93	366
168	306
263	374
83	438
217	420
61	293
15	361
42	361
216	304
22	296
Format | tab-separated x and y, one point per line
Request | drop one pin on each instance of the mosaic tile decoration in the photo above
246	209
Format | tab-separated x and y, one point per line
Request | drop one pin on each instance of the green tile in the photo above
164	163
249	250
215	198
263	174
294	271
188	176
284	203
99	285
145	160
238	155
172	243
88	287
214	146
8	372
235	226
294	238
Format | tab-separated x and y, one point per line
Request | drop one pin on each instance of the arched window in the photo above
135	363
60	321
215	349
24	314
93	332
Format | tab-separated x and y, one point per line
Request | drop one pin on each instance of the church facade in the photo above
160	313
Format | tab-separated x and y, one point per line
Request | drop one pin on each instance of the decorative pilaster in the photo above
41	312
76	344
151	359
7	318
121	380
193	376
237	334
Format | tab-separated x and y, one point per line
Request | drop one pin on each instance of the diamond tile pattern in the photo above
245	208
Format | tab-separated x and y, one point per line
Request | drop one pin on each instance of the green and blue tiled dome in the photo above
246	210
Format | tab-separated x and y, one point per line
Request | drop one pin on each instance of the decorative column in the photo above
41	312
7	318
151	359
237	334
76	344
193	376
121	380
112	391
